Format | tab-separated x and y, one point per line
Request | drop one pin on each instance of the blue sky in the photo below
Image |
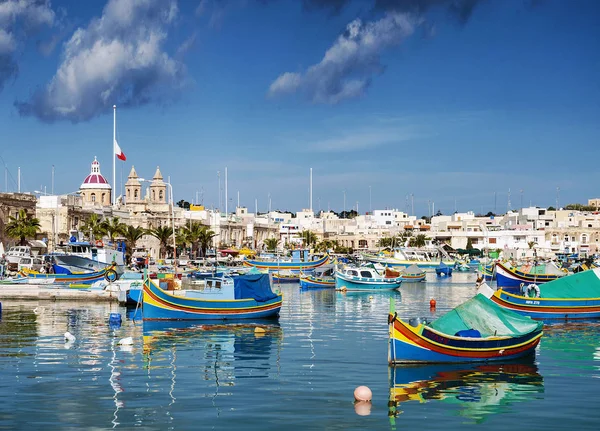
451	101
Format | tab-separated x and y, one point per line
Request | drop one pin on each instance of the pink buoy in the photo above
363	393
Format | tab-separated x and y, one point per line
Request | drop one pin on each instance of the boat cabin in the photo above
362	272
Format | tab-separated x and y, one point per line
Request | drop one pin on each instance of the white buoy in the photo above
128	341
69	338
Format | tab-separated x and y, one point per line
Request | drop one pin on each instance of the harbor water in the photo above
299	374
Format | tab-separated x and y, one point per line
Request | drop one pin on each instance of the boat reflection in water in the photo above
479	390
223	352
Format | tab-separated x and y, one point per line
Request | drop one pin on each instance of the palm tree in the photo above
205	239
308	238
193	232
22	226
182	239
113	228
93	226
271	244
419	240
387	241
324	246
132	235
164	235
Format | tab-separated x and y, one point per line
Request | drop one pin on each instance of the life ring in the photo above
99	243
111	275
532	291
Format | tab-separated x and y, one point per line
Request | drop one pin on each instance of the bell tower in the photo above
158	188
133	188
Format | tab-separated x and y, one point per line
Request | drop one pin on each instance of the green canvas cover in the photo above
581	285
489	319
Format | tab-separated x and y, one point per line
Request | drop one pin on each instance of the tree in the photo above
438	213
205	239
193	232
469	244
308	238
387	241
348	214
132	235
271	244
418	241
113	228
22	226
324	246
164	235
94	227
404	237
183	204
551	209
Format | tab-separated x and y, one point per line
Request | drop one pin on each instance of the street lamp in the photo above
172	217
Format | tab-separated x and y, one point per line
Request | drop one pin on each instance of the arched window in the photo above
128	193
93	197
135	194
103	197
160	195
153	195
584	239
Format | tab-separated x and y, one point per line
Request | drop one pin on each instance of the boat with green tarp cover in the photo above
475	331
575	296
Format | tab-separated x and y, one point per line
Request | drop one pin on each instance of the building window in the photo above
492	240
135	194
153	195
128	193
160	194
93	197
103	196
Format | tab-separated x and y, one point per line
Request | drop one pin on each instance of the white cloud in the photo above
117	59
18	19
348	66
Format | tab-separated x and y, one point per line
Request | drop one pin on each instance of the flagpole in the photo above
114	152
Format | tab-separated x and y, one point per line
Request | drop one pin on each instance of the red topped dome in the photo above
95	180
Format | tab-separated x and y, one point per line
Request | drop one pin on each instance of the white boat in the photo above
364	278
77	257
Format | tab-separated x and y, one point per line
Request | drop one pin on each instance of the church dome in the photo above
95	180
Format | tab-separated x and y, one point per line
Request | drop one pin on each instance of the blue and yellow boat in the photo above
292	266
511	277
365	279
476	331
245	297
576	296
107	273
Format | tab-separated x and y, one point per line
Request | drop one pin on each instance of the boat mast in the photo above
114	181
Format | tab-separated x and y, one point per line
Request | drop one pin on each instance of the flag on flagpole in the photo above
120	154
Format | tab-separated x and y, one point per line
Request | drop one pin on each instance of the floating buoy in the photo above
362	408
363	393
69	338
128	341
432	303
114	319
259	330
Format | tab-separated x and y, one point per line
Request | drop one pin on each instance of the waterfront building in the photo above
10	204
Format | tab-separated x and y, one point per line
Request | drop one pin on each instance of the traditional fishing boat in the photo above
487	271
509	276
576	296
107	273
443	270
285	276
476	331
412	274
322	277
280	265
245	297
364	278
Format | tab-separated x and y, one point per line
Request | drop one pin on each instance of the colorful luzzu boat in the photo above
285	277
476	331
107	273
322	277
511	277
281	266
412	274
245	297
576	296
366	279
